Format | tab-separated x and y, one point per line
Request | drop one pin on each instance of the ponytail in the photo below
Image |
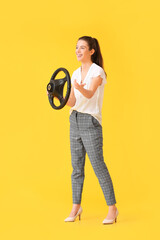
96	56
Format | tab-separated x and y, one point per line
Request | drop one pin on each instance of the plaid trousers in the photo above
86	136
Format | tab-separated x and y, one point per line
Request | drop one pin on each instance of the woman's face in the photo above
82	51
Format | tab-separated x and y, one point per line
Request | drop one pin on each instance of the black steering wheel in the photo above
55	88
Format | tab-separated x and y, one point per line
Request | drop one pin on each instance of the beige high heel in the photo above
108	221
72	219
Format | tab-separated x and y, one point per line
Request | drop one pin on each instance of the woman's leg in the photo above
93	142
78	153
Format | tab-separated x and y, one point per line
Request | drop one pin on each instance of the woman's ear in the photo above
92	51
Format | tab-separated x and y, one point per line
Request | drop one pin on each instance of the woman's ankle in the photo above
76	205
112	206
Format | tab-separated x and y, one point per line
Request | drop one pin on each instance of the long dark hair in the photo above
96	56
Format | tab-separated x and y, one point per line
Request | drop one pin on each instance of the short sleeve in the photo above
100	71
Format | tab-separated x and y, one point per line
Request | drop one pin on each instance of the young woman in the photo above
85	100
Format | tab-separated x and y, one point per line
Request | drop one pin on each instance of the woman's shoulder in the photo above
97	70
97	67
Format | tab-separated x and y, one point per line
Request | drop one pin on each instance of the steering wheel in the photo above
55	88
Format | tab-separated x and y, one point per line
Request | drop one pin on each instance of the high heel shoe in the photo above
108	221
72	219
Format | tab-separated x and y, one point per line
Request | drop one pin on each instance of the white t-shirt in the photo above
91	105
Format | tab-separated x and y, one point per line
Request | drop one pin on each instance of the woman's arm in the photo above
88	93
72	100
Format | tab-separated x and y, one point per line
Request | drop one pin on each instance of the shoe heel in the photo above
116	216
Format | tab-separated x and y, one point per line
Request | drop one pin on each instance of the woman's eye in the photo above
80	47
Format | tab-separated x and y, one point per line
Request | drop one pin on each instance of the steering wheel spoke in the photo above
60	97
60	82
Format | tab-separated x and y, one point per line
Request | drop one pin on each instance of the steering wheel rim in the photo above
55	88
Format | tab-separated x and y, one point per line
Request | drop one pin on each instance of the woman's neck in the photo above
85	66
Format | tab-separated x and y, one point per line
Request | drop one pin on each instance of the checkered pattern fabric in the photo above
86	137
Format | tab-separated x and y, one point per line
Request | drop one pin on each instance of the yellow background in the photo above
37	37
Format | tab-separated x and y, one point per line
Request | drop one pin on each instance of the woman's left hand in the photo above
78	86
